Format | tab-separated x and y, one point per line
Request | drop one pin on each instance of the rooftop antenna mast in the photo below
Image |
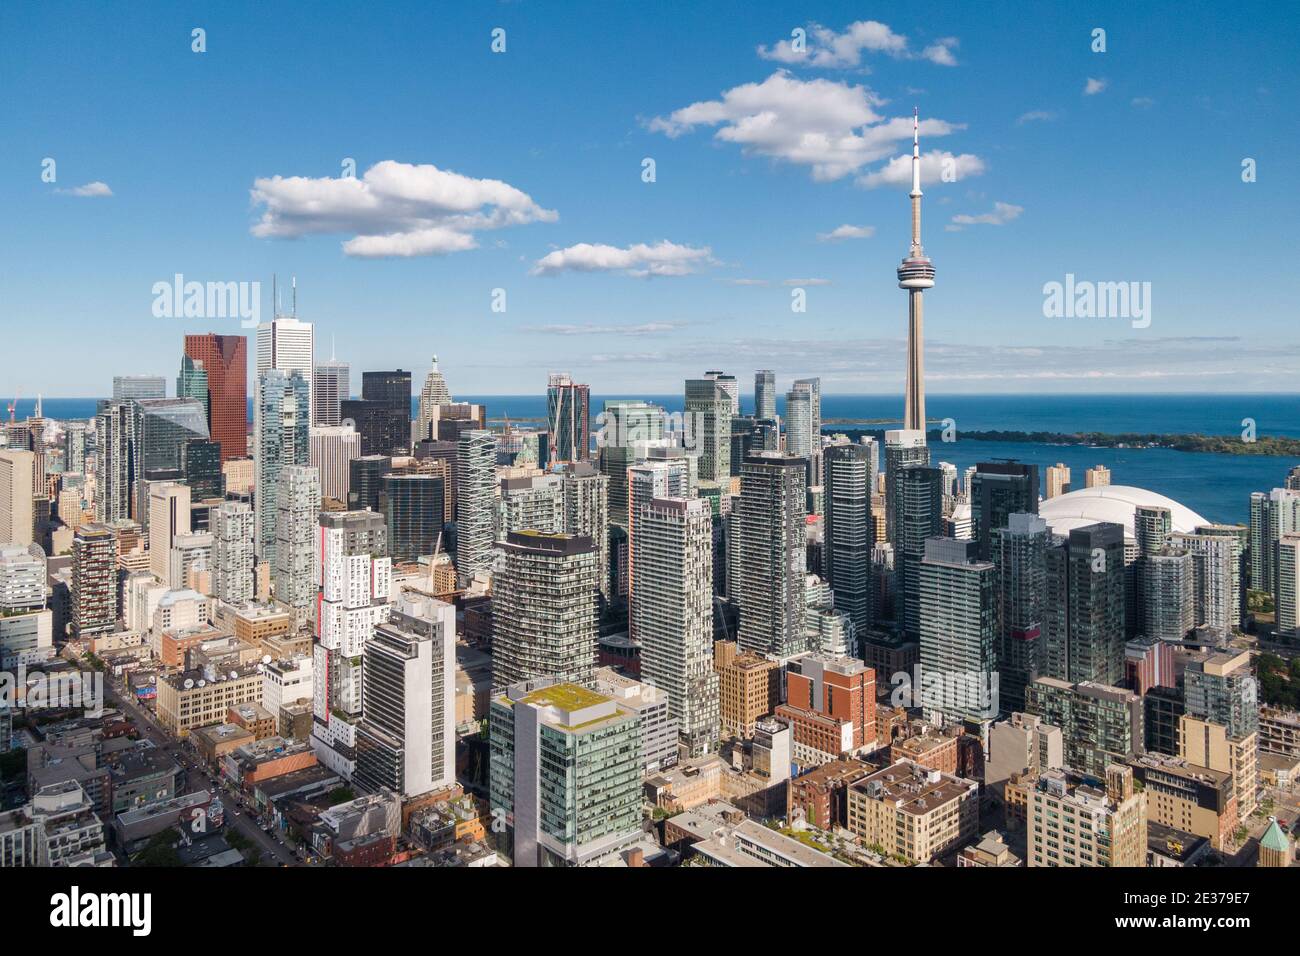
295	296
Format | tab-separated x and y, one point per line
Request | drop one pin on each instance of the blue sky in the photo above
760	155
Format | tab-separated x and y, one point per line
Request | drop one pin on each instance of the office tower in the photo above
765	395
373	421
544	608
798	423
1097	476
280	440
135	387
297	505
586	512
169	516
672	613
475	496
456	418
414	508
1101	724
407	739
902	449
708	413
94	574
1058	480
433	395
286	344
918	502
588	810
1019	551
1168	594
750	436
830	706
17	492
331	386
1084	632
568	418
390	413
628	428
729	386
812	387
366	481
201	469
998	489
192	382
1286	586
160	430
232	527
1075	822
354	577
225	362
74	447
332	450
958	630
849	530
915	274
771	554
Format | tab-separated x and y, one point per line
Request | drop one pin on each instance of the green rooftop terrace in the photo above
567	697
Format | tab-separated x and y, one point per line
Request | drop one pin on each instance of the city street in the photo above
196	778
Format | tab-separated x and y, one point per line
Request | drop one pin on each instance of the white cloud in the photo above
826	49
1003	213
830	50
1036	116
95	190
847	231
642	260
1093	87
808	282
1142	103
830	126
940	52
898	171
394	209
746	281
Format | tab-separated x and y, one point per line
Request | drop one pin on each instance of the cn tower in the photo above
914	274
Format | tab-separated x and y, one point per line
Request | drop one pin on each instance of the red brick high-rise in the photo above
225	358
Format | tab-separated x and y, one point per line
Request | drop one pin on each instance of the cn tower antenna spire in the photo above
915	274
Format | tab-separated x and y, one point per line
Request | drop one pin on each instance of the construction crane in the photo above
13	405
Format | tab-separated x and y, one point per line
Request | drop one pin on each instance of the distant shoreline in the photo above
1211	444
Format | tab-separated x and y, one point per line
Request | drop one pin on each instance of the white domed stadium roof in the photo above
1116	504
